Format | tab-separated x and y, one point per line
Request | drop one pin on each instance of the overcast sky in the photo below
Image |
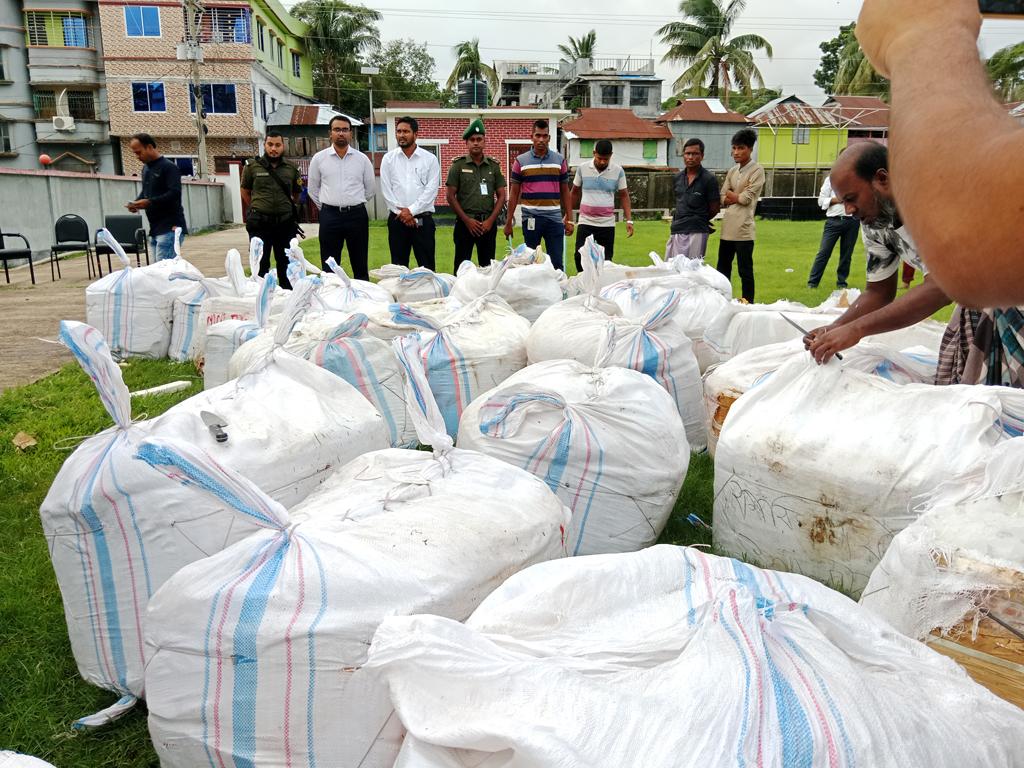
531	30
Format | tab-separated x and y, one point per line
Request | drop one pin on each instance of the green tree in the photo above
406	70
340	34
1006	70
855	75
469	66
825	74
583	48
758	98
701	42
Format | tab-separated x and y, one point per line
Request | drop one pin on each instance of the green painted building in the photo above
282	70
793	134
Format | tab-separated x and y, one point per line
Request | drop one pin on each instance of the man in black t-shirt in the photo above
697	202
160	197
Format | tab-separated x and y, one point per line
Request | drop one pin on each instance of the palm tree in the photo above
1006	70
339	35
701	42
469	66
855	75
580	49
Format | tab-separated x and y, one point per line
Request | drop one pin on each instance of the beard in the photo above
888	216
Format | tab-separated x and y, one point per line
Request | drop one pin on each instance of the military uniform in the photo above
475	188
271	215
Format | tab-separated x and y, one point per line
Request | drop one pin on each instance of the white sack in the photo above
18	760
392	533
225	336
816	466
608	441
188	335
419	284
530	285
117	529
132	308
669	658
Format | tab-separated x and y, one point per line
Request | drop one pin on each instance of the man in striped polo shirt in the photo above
540	182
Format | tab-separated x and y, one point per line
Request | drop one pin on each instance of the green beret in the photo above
476	128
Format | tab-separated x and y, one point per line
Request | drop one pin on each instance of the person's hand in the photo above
834	339
485	226
508	228
569	226
131	207
886	26
405	216
629	229
812	335
731	198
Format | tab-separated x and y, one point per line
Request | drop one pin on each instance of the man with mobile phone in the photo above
160	196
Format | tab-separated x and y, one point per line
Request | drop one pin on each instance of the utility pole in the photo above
370	72
193	51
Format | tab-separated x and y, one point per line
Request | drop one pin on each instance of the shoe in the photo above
841	286
812	285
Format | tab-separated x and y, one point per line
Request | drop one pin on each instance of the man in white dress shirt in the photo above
340	182
410	178
839	226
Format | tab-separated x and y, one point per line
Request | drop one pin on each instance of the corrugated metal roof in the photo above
702	111
797	114
595	123
306	114
859	111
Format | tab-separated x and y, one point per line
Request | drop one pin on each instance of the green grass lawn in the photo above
41	691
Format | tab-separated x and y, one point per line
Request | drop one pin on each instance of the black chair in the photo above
13	254
128	231
71	234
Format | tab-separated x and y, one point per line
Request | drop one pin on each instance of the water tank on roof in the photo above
473	93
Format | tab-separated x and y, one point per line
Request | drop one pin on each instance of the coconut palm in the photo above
338	36
468	66
580	49
855	75
701	42
1006	70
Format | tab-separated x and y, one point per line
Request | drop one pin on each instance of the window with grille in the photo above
260	29
81	104
263	105
142	21
5	137
45	103
58	29
224	25
218	98
801	134
296	64
611	94
638	95
148	97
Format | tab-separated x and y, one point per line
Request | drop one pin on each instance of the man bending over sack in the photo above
978	347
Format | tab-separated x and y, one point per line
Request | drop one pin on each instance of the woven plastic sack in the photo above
187	324
669	658
817	466
18	760
133	307
581	430
593	331
409	285
530	285
116	529
962	558
726	382
224	337
392	533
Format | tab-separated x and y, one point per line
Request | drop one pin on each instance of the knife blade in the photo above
797	326
215	424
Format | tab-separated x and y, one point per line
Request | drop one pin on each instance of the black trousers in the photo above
603	236
420	240
275	239
837	228
464	242
350	226
743	250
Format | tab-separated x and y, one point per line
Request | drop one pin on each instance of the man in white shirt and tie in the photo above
410	178
340	182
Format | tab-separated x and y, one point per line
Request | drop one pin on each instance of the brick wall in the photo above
498	130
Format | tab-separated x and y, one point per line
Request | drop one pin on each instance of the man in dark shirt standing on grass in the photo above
697	203
160	197
475	190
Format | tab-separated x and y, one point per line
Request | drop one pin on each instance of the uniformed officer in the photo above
270	188
475	190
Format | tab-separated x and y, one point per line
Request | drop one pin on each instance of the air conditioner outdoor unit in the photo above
63	123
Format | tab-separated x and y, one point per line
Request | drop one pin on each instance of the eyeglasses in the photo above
340	130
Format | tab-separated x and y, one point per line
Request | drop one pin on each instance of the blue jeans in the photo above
551	229
162	246
841	228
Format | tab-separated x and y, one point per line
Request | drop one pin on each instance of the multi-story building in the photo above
253	57
607	83
53	97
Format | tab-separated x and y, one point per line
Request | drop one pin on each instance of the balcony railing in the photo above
628	65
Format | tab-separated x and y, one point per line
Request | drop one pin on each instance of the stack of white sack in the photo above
225	337
726	382
472	350
370	365
188	328
133	307
386	324
614	272
816	466
17	760
254	655
959	567
117	529
420	284
582	431
530	285
337	290
594	331
669	658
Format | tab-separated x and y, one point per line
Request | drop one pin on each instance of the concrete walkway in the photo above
29	313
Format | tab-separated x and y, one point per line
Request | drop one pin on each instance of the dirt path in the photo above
29	313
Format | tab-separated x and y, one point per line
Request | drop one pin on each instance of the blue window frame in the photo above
142	21
296	64
218	98
75	35
148	97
